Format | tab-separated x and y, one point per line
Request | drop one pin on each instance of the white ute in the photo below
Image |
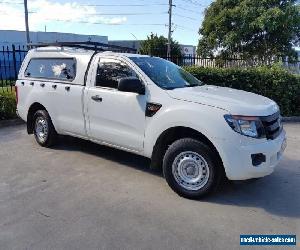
151	107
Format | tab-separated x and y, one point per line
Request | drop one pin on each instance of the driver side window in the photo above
110	71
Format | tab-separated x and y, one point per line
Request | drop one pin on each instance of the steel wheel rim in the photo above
41	129
190	170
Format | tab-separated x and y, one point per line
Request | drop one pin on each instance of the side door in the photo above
115	117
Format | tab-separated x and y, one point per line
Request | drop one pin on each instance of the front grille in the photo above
272	125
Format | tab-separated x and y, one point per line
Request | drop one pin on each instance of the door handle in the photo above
67	88
97	98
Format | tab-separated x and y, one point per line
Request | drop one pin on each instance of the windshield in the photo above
165	74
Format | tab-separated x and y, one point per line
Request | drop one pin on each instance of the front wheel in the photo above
191	169
43	129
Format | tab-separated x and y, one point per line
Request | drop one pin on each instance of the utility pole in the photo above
170	29
26	21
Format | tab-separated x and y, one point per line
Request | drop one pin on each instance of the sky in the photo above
112	18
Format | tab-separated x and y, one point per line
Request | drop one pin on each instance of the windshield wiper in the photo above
170	88
192	85
180	87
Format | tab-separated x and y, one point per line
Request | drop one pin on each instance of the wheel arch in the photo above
168	136
31	111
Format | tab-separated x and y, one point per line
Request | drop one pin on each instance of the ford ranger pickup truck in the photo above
149	106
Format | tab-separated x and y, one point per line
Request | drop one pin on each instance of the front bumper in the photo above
238	163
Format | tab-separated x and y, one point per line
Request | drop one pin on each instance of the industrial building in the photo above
9	37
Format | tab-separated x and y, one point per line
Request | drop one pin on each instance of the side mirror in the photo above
131	84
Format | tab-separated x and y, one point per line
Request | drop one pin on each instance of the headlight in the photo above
246	125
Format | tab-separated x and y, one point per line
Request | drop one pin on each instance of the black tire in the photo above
50	137
212	175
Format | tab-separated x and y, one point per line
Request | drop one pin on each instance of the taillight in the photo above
17	97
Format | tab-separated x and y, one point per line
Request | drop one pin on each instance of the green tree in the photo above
250	28
157	46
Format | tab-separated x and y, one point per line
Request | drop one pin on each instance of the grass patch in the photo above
8	104
7	89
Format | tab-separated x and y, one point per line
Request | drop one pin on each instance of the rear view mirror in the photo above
131	84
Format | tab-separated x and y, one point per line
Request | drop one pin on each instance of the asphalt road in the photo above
80	195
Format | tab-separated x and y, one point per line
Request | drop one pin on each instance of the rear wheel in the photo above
43	129
191	169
